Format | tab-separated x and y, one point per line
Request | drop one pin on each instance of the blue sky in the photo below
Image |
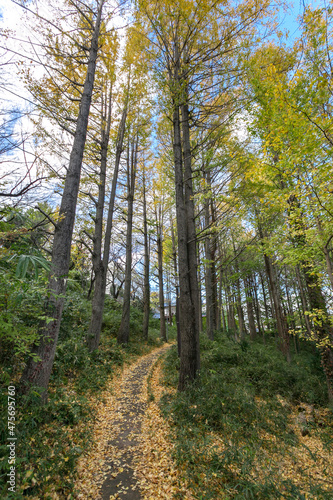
290	18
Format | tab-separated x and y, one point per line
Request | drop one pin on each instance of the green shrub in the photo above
243	393
76	314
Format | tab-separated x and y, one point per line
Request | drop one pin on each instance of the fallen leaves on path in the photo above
91	470
154	467
137	444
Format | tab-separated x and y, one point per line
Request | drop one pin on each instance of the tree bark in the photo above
303	301
190	218
254	293
123	333
200	291
241	323
98	301
268	316
187	306
279	316
249	305
322	326
94	331
37	373
174	258
160	274
210	275
146	285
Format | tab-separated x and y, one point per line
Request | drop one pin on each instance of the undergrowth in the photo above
51	437
233	428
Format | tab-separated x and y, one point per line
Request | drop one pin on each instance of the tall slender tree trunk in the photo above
146	285
220	312
279	316
229	304
123	333
254	293
210	250
160	275
249	305
326	253
98	301
323	327
187	306
328	265
97	261
169	298
289	302
37	373
200	291
281	323
241	323
303	301
190	217
268	316
210	319
175	267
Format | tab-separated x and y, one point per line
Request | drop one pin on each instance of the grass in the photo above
51	438
252	426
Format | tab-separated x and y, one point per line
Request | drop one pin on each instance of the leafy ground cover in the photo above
110	468
51	438
252	426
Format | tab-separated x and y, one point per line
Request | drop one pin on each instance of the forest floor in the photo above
130	458
152	443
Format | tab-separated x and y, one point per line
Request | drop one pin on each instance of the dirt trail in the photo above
125	427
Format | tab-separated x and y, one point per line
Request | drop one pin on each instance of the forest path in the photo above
107	470
129	408
131	456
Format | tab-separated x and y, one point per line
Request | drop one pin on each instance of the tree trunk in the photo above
254	293
328	265
249	305
289	303
210	318
322	326
169	299
210	251
174	258
100	286
187	306
94	331
268	316
123	333
279	316
200	291
223	314
146	285
37	373
326	253
303	301
160	275
230	307
190	217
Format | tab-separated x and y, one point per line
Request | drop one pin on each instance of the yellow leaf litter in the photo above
154	470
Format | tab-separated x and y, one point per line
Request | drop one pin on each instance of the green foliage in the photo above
21	305
23	273
244	395
76	314
24	262
52	437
